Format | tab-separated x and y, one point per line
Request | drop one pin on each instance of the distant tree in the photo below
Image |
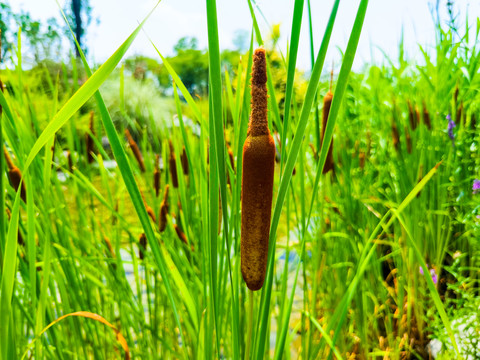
79	16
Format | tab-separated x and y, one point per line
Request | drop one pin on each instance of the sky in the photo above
173	19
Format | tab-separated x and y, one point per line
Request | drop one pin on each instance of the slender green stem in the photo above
251	294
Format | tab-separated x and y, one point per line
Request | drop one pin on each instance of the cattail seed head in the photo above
411	116
89	140
184	161
163	211
135	150
426	117
181	235
257	181
15	175
395	136
327	103
173	165
156	176
142	246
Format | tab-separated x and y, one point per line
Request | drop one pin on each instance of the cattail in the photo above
417	115
315	154
327	102
156	176
257	181
136	150
109	246
142	246
70	162
89	139
408	140
230	155
162	222
459	113
361	159
181	235
395	136
473	122
173	166
184	161
411	116
15	175
150	211
426	117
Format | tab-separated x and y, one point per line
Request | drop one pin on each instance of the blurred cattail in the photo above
142	246
15	175
277	150
135	150
395	135
411	116
230	155
156	175
172	165
473	122
417	115
149	209
109	246
327	102
89	139
458	119
408	140
426	117
315	154
361	159
181	235
162	222
70	161
257	180
184	161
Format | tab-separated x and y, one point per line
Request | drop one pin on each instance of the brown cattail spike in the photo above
257	181
173	165
181	235
156	176
89	139
142	246
411	116
184	161
426	117
327	102
163	211
135	150
395	136
15	175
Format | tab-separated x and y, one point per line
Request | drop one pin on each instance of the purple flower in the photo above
476	186
451	125
434	276
433	273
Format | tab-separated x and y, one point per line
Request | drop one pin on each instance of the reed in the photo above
156	176
142	246
184	161
135	150
162	218
15	175
327	103
257	180
89	140
173	165
426	116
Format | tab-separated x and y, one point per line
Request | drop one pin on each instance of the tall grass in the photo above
345	249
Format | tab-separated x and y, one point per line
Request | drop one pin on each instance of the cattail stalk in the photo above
15	175
156	176
173	165
89	139
136	150
257	181
162	222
